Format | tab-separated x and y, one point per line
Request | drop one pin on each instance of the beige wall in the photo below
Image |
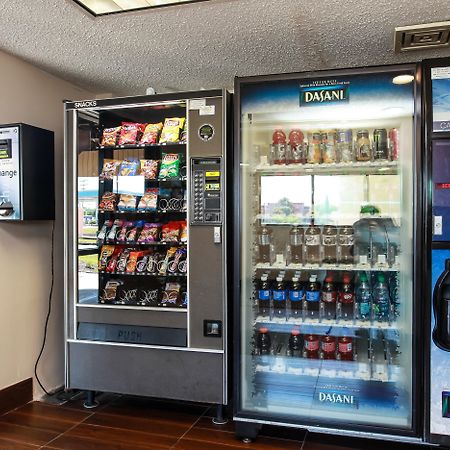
32	96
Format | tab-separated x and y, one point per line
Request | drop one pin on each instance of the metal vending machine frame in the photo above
176	353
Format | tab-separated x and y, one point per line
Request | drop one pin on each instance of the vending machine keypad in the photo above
206	191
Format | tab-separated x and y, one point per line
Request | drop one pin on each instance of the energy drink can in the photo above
380	144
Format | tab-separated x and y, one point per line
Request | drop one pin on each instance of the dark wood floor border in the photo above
16	395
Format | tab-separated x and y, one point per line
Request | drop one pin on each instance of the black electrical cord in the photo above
49	310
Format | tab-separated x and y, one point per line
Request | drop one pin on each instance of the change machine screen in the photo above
10	205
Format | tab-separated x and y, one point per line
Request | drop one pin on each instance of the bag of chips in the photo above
110	169
129	167
142	262
105	253
153	261
130	133
112	261
183	136
133	232
149	200
148	297
108	202
170	166
111	236
172	266
122	261
132	261
151	133
101	236
171	130
149	233
183	232
110	291
121	235
149	168
164	264
171	294
109	137
170	232
127	202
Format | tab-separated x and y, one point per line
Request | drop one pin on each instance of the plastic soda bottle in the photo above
363	298
381	299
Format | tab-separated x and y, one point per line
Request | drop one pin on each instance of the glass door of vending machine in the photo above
326	275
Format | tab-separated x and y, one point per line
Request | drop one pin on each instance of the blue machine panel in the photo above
439	364
441	190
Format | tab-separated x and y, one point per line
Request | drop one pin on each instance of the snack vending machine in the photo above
145	233
328	252
437	169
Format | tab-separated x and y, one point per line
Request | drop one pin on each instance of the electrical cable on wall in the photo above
48	311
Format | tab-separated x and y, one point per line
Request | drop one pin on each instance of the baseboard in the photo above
16	395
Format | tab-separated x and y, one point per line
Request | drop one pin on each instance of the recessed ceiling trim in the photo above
423	36
111	7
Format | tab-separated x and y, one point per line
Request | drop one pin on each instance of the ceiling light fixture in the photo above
103	7
403	79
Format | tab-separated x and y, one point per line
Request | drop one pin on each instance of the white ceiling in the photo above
205	44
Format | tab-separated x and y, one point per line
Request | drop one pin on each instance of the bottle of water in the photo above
363	298
381	299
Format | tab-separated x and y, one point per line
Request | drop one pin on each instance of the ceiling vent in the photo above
417	37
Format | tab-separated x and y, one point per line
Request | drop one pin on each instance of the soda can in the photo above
393	143
363	150
345	145
380	144
329	150
314	148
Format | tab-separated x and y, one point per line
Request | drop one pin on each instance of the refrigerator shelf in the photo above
325	267
139	146
280	324
336	374
364	168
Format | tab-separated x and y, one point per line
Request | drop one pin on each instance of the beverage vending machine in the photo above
328	253
145	233
437	169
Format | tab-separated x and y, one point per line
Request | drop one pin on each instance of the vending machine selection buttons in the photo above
206	191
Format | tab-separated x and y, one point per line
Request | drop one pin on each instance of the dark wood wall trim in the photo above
16	395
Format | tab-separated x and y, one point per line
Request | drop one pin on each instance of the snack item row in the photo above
132	133
151	169
164	199
172	295
118	259
121	231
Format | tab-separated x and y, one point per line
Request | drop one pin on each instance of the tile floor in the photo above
132	423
